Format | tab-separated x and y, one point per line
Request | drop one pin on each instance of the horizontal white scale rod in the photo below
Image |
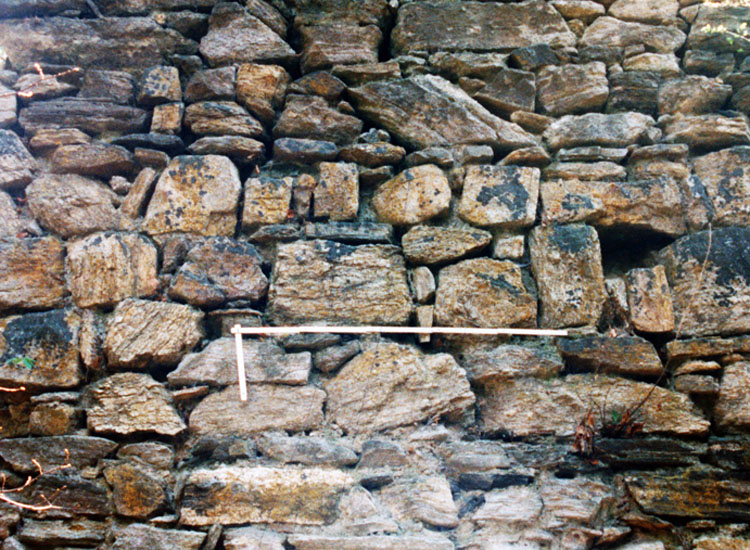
312	329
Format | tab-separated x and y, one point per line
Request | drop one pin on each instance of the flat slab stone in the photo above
338	44
268	407
487	363
221	118
483	293
306	450
433	245
16	163
406	108
131	403
706	132
609	32
617	130
726	177
526	406
393	385
88	114
196	194
55	532
265	362
571	88
625	355
339	284
693	94
413	196
499	196
173	330
477	26
106	268
715	23
732	409
707	347
310	117
233	495
350	232
379	542
32	273
719	301
50	340
139	535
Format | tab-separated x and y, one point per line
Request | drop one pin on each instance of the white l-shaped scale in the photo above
239	331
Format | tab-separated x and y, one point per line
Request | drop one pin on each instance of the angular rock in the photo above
339	284
715	24
413	196
32	273
46	140
406	109
72	205
92	159
519	506
167	118
39	88
567	265
470	64
337	193
423	284
319	83
75	494
586	171
53	419
95	42
487	363
613	33
206	206
366	12
499	196
633	91
252	538
267	201
525	406
135	493
372	154
16	163
241	149
356	75
732	409
625	355
425	499
351	232
338	44
662	64
131	403
115	86
221	118
477	26
233	495
96	116
8	107
261	89
697	386
235	36
719	543
331	358
49	340
508	91
649	300
303	151
211	84
142	333
306	450
265	362
52	533
707	347
311	117
659	12
484	293
433	245
717	302
618	130
726	177
137	535
380	542
650	205
105	268
159	84
158	455
701	132
392	385
585	10
268	407
269	14
168	143
568	89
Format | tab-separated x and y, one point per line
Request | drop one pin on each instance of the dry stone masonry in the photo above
170	168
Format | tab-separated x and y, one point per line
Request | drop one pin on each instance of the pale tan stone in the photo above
266	201
337	193
649	300
413	196
500	196
261	88
32	274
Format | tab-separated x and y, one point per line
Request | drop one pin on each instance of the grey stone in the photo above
484	363
16	222
618	130
242	150
159	84
312	118
433	245
425	499
303	151
211	84
726	176
306	450
350	232
221	118
706	132
56	532
331	358
568	89
625	355
610	32
16	163
145	536
97	116
508	91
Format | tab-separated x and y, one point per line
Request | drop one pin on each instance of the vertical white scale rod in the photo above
240	362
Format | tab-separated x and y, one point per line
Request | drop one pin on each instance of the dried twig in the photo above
28	91
47	503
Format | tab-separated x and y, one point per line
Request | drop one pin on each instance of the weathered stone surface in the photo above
356	75
75	494
649	300
487	363
16	223
625	355
372	154
252	538
105	268
265	362
50	340
158	455
703	132
221	118
633	91
138	535
337	193
413	196
692	95
242	149
567	265
721	543
173	330
350	232
732	409
92	159
568	89
16	163
90	115
425	499
366	12
483	293
381	542
695	493
618	130
165	142
659	12
115	86
71	205
53	419
707	347
211	84
613	33
715	24
261	89
303	151
32	274
586	171
477	26
135	493
499	196
407	107
159	84
423	284
52	533
338	44
312	118
233	495
717	302
83	451
651	205
8	107
319	83
525	406
206	206
339	284
268	407
432	245
167	118
131	403
392	385
45	140
95	42
661	64
726	177
306	450
48	88
508	91
235	36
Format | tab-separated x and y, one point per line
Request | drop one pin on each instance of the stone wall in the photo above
565	164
